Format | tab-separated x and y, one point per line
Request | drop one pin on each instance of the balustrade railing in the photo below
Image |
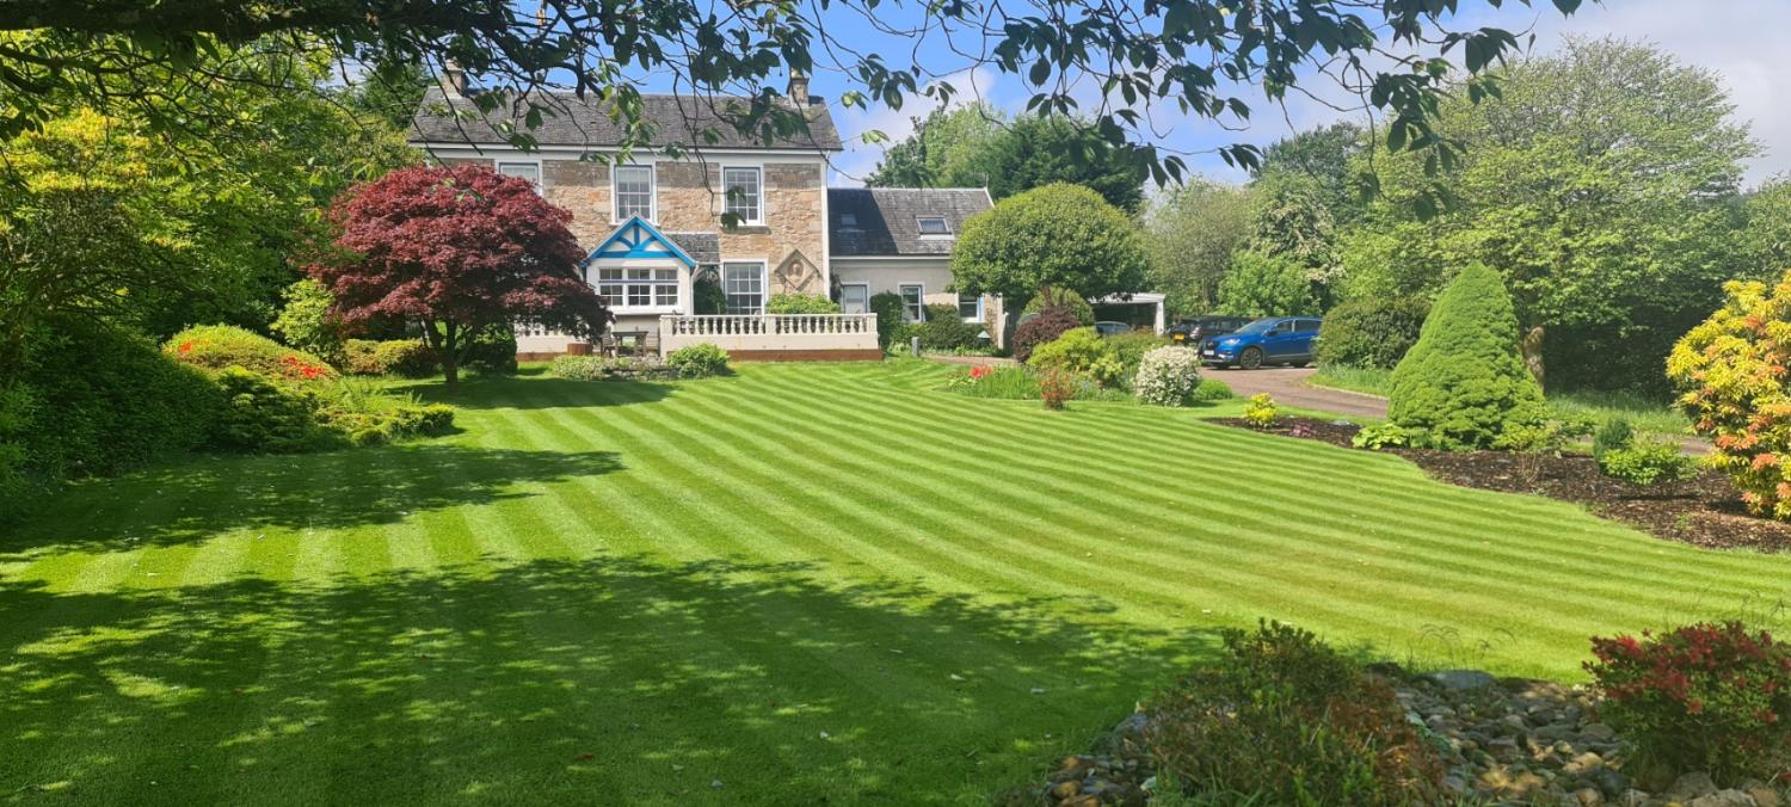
769	324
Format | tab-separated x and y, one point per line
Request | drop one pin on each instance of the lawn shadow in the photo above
615	678
202	497
499	392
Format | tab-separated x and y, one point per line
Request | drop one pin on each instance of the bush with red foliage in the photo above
1710	697
459	249
1051	323
1056	387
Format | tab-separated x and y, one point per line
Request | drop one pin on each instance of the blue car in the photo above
1271	340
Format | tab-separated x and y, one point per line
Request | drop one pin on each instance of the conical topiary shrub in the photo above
1464	383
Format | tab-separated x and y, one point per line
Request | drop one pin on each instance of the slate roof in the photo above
704	248
582	122
882	221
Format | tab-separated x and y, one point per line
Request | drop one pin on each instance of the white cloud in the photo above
860	158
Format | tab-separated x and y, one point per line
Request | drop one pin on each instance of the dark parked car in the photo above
1271	340
1108	327
1199	329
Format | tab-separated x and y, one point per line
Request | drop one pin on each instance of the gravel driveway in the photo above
1288	386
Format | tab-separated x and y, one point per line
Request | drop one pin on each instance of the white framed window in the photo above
744	189
634	192
914	301
855	298
744	284
631	287
932	225
970	307
529	170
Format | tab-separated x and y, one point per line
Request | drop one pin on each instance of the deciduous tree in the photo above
1601	186
1204	58
1062	236
1192	232
458	249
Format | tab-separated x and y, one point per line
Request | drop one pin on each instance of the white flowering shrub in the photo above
1167	376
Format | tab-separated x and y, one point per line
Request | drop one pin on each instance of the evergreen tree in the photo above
1464	383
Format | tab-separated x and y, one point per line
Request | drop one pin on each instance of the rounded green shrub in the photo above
219	347
800	304
1212	389
262	415
1080	352
1167	376
889	308
89	399
1647	462
409	358
698	360
1371	332
1463	385
945	330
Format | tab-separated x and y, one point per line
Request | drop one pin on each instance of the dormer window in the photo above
933	225
849	220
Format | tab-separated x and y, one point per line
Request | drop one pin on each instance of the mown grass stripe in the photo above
1425	595
1245	514
1266	491
744	505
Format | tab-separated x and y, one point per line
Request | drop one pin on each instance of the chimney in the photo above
798	90
453	78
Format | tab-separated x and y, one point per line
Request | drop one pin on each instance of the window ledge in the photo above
747	229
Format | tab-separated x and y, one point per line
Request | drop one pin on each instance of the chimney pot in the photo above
798	90
454	77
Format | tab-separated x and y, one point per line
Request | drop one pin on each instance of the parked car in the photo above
1199	329
1108	327
1270	340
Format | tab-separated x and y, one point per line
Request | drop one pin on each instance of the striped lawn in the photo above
801	584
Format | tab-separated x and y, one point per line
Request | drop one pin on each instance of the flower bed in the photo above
1499	741
1703	511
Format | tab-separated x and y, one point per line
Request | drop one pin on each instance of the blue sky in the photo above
1747	43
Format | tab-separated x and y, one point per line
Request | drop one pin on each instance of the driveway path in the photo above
1288	386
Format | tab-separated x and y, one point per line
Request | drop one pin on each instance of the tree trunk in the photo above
1531	346
450	353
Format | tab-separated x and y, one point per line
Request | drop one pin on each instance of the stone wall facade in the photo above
688	198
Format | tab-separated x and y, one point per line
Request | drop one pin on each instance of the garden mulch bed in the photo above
1704	511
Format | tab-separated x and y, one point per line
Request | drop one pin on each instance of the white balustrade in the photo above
770	331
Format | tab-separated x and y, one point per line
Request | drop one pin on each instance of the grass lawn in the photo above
1645	415
801	584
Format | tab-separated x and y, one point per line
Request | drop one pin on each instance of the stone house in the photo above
653	225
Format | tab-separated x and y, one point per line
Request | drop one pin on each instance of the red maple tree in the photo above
457	249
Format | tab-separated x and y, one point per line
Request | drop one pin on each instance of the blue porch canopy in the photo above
636	239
